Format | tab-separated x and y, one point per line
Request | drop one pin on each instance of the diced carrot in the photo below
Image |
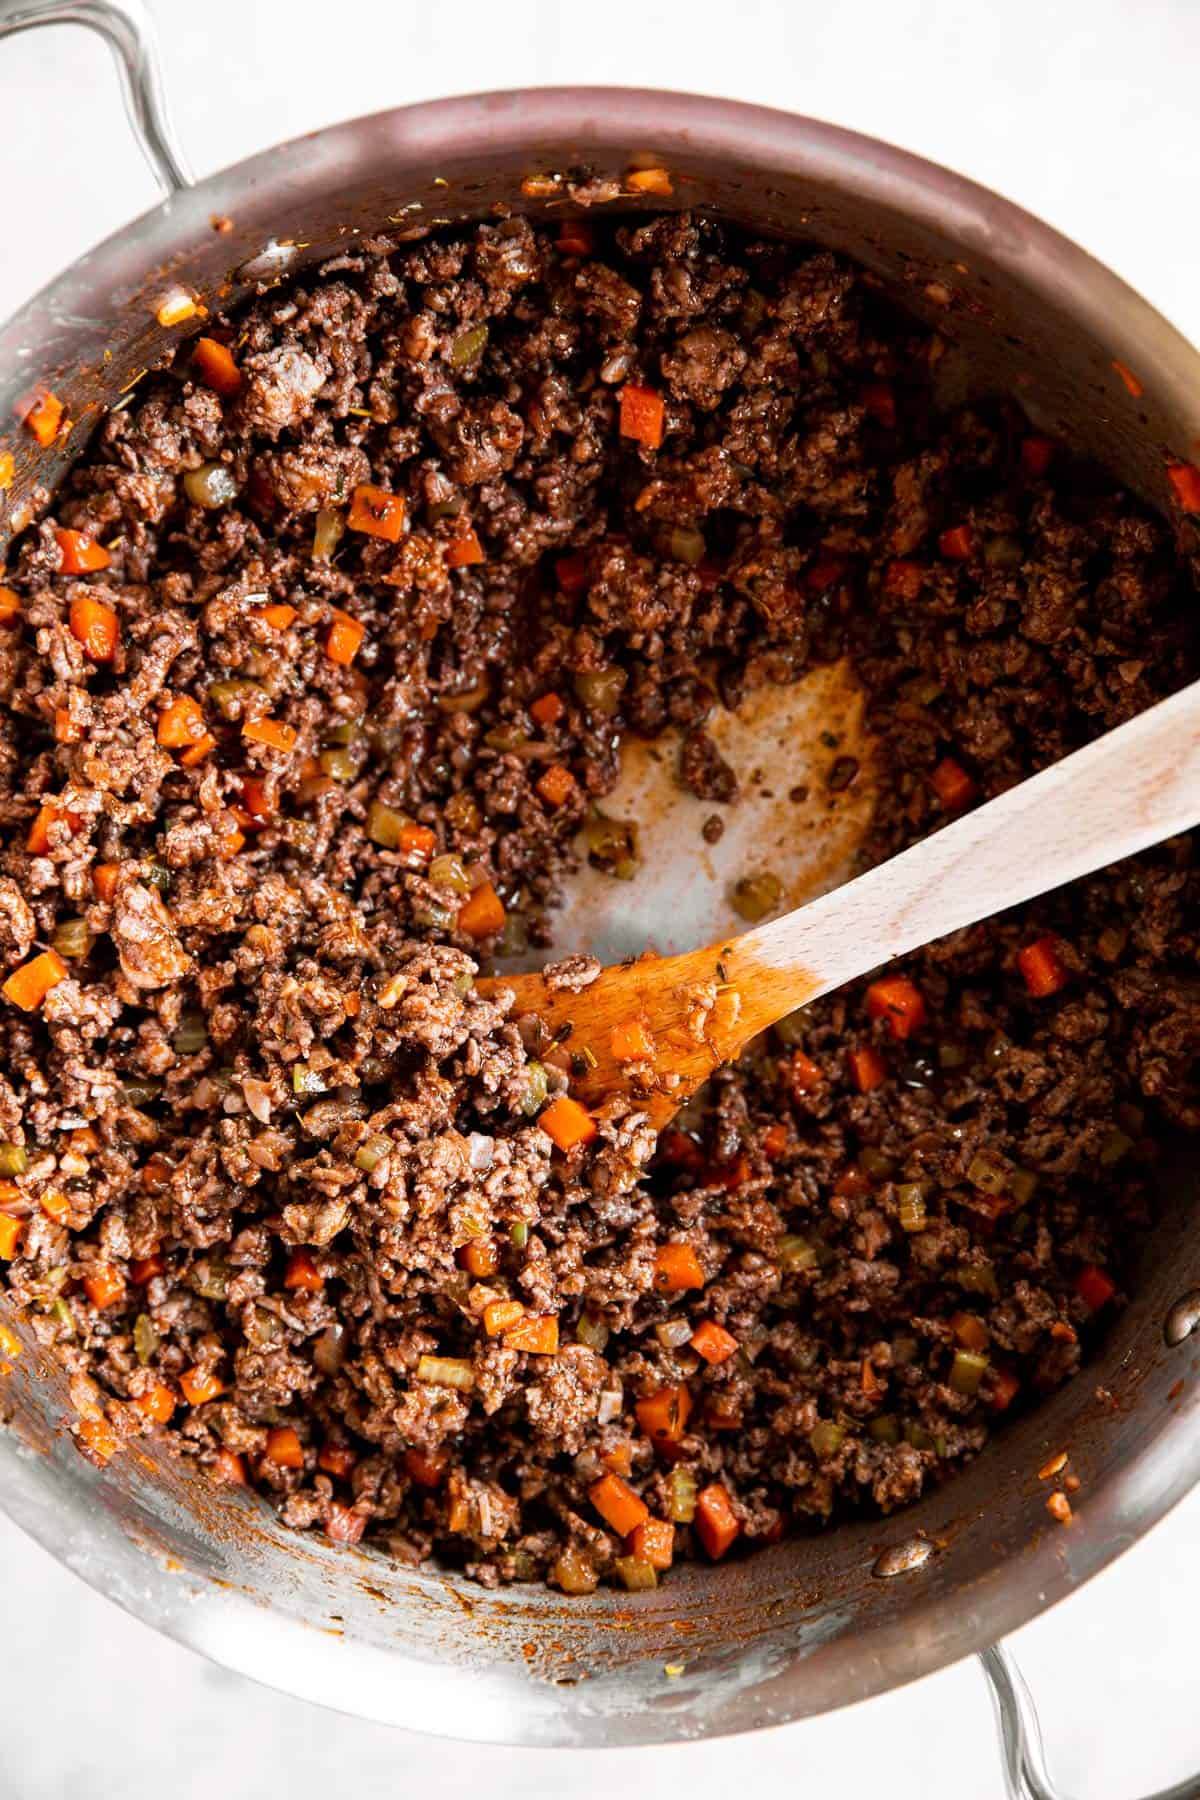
1042	967
254	797
417	842
192	757
103	1285
158	1403
618	1505
902	579
853	1184
678	1148
482	914
899	1002
303	1275
67	729
146	1268
80	554
775	1141
378	513
868	1380
41	414
28	986
1036	452
807	1076
650	181
10	606
271	732
344	639
653	1542
8	469
952	785
556	786
464	551
713	1342
568	1123
571	573
96	627
228	1468
278	616
11	1232
663	1415
284	1447
97	1436
957	543
676	1269
618	1458
426	1467
536	1333
104	879
825	573
501	1315
970	1332
344	1525
867	1069
181	724
879	400
576	237
642	415
337	1459
38	841
631	1041
1185	481
1094	1287
479	1258
547	711
214	364
1003	1388
54	1203
716	1522
200	1385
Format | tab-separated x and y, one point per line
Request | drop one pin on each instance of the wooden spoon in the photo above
1129	789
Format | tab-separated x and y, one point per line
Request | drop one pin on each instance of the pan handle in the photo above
1025	1773
129	32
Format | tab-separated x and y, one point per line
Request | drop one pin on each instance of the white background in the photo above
1084	112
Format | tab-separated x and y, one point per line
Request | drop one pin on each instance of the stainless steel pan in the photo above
806	1626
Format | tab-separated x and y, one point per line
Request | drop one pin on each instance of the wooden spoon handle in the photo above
1131	788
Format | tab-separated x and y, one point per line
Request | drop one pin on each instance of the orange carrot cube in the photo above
556	786
653	1541
103	1285
158	1403
713	1342
482	914
200	1385
181	723
96	627
642	415
568	1123
302	1275
676	1269
28	986
1042	968
899	1002
620	1508
214	364
867	1069
716	1521
631	1042
536	1333
663	1415
284	1448
344	639
464	551
378	513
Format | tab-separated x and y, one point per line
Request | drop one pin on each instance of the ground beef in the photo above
383	585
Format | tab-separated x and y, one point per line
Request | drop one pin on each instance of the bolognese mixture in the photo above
316	674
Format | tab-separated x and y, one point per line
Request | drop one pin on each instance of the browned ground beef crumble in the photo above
278	1046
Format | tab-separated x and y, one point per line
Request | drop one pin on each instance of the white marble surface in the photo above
1086	114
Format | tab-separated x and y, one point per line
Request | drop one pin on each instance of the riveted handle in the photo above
126	27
